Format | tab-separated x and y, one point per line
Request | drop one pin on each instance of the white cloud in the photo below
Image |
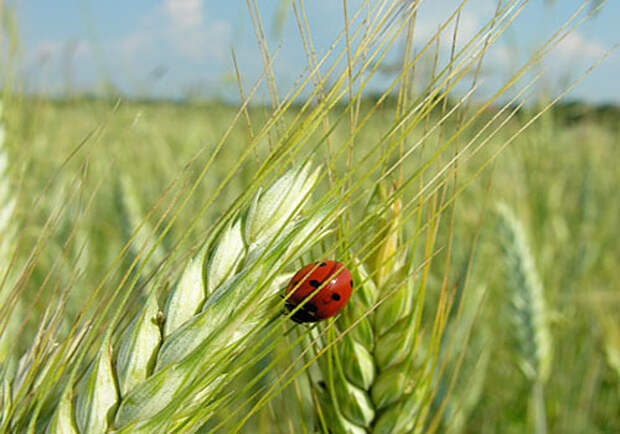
201	41
190	33
576	45
185	14
432	18
181	25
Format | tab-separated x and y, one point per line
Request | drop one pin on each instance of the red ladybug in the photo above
336	285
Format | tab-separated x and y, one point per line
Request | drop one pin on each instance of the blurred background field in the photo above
92	172
560	176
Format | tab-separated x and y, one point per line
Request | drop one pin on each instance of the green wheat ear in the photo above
527	303
528	311
372	381
224	293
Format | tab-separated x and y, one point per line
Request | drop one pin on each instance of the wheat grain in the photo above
63	422
96	393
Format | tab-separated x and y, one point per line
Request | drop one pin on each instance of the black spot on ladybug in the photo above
335	296
315	283
351	283
323	264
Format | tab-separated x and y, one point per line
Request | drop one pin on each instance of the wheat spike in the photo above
206	313
528	311
529	314
373	374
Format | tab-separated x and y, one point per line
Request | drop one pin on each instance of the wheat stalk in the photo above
224	293
528	310
611	341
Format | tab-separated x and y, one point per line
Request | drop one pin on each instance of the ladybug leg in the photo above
297	318
305	313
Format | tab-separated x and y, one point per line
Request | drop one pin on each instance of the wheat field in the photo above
145	246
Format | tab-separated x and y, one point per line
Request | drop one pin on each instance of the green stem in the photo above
538	402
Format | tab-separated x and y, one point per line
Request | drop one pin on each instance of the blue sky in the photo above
180	48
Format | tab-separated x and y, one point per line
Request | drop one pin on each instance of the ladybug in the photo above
335	283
